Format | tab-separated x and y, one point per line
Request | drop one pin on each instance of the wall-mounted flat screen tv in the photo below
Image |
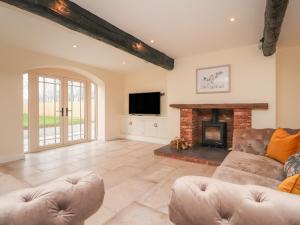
144	103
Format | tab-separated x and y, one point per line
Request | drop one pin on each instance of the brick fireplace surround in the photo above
237	116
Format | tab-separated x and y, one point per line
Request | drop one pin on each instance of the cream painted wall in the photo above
152	80
13	63
288	86
253	80
11	132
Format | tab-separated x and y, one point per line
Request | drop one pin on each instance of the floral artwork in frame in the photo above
213	79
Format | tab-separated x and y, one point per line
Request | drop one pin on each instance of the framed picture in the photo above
213	79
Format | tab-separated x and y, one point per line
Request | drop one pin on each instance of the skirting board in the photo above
146	139
11	158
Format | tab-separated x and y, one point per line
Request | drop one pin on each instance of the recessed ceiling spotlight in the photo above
75	46
232	19
152	41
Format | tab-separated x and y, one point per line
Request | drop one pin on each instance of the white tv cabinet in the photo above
145	128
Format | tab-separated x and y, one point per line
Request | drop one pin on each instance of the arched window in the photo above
60	108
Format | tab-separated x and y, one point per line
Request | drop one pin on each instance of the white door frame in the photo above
33	110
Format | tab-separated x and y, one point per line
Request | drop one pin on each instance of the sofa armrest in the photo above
69	200
206	201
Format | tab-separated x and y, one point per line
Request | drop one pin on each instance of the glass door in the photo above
50	111
62	110
76	110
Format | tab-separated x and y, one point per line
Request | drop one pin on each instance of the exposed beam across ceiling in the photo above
74	17
274	15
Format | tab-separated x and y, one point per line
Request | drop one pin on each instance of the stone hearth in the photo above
196	154
237	116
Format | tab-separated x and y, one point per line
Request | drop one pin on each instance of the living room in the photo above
113	98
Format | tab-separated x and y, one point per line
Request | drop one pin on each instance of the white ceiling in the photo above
179	28
186	27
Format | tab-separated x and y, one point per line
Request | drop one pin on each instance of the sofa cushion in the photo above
241	177
292	165
291	185
282	145
253	141
10	183
255	164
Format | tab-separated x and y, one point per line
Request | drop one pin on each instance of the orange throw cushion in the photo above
291	185
282	145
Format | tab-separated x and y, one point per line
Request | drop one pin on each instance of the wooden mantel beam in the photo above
76	18
274	15
222	106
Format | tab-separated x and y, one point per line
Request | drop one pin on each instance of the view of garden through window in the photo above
61	109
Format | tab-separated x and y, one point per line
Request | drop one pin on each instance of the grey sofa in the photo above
69	200
242	190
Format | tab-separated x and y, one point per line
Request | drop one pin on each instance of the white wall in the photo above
288	87
11	132
151	80
13	63
253	80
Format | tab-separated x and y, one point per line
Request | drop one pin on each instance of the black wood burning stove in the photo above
214	133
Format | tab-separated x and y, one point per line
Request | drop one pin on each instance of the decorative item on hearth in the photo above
179	144
213	79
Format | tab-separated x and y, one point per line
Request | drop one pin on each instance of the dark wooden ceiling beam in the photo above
74	17
274	15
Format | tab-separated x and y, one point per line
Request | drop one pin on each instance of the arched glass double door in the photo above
62	111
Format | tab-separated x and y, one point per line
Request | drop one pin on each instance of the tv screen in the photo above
144	103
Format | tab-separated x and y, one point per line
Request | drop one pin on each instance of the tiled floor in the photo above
137	182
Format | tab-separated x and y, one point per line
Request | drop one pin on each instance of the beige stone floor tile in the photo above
100	217
144	162
119	175
158	197
19	164
157	172
195	170
132	143
88	163
91	154
119	152
32	161
42	155
116	162
71	159
23	172
43	177
122	195
137	214
99	170
139	146
140	153
50	165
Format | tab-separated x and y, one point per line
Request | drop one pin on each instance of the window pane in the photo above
76	113
49	115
